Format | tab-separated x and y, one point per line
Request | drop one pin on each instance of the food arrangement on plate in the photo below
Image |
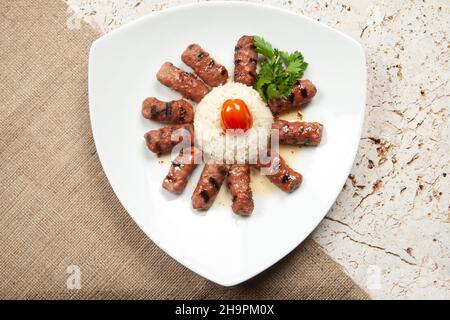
234	124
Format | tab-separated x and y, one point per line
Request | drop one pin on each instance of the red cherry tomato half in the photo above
236	115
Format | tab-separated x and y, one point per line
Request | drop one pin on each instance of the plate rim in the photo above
286	249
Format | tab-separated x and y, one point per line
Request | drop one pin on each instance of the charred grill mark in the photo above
304	92
222	171
213	183
205	196
177	164
200	56
168	109
291	97
285	179
182	114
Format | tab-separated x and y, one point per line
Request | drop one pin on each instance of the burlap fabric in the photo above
57	208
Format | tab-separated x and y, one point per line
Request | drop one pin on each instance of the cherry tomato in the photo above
236	115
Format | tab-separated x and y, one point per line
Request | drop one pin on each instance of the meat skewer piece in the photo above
302	93
211	72
181	169
175	111
184	82
239	185
160	140
208	186
299	133
280	174
245	59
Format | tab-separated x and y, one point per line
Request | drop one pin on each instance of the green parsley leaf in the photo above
279	71
263	47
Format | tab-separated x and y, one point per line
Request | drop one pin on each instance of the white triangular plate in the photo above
219	245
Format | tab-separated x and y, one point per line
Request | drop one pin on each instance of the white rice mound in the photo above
231	148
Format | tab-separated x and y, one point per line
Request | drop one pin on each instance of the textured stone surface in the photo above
390	226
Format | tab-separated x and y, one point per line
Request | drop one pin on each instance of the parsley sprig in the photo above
279	70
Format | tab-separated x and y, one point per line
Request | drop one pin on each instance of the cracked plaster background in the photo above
390	226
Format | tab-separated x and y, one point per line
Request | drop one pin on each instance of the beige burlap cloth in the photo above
57	208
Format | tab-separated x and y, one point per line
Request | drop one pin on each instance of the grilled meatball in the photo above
239	186
211	72
185	83
181	170
208	186
175	111
160	140
302	93
245	59
280	174
299	133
